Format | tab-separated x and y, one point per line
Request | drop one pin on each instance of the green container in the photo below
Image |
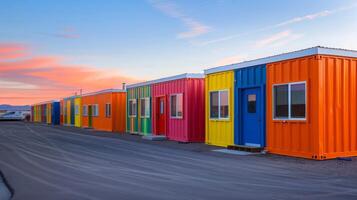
138	123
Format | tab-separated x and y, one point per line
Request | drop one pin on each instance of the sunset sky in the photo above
52	49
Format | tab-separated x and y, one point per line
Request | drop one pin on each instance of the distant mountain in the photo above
14	108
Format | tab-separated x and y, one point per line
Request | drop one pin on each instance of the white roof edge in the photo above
286	56
170	78
46	102
102	92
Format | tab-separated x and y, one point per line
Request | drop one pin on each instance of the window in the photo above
76	110
85	110
132	108
108	110
145	107
219	104
95	110
290	101
176	105
252	103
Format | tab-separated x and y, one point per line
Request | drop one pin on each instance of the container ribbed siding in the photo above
46	113
69	111
329	130
189	128
338	81
61	111
250	79
220	132
78	112
139	124
55	115
116	122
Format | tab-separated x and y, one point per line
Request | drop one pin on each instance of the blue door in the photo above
251	113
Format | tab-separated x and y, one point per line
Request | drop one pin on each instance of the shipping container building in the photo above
69	110
61	112
47	112
105	110
139	103
178	107
78	111
310	103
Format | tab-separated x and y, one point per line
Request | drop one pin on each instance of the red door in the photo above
161	116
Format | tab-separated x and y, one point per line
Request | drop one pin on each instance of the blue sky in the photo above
152	39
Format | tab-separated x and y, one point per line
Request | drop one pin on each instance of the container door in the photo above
251	117
161	116
90	116
72	112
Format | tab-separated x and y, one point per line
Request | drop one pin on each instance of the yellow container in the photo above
78	112
68	112
220	132
49	113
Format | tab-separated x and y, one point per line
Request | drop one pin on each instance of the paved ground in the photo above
45	162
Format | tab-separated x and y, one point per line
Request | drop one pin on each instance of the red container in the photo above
184	123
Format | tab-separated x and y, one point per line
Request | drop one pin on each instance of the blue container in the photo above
72	110
56	113
249	106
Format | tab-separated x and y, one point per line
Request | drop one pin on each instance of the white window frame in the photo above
95	108
219	105
289	102
177	117
85	110
136	104
146	99
108	112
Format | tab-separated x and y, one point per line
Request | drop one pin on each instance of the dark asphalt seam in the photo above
7	184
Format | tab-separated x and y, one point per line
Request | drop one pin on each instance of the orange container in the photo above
329	128
105	110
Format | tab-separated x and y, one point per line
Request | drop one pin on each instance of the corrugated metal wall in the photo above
56	113
78	116
139	124
337	106
292	137
250	77
189	128
220	132
116	122
119	111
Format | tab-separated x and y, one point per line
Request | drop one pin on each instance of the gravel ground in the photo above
46	162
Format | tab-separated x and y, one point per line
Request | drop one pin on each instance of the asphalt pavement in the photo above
52	162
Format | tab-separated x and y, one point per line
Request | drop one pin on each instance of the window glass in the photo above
298	105
281	101
85	111
142	107
179	105
223	96
214	105
176	105
145	107
108	110
132	108
173	105
252	107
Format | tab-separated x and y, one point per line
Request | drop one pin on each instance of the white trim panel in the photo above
171	78
286	56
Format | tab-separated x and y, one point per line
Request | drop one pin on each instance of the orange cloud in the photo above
26	79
